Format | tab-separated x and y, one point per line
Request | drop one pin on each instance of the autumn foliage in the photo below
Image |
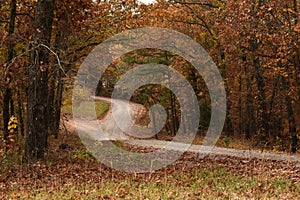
255	44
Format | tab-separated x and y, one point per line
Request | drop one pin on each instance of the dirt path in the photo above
111	130
137	111
213	151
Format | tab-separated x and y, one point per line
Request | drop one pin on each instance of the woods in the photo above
46	154
255	44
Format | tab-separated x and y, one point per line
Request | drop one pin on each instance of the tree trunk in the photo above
240	108
57	104
291	119
8	108
20	113
37	129
228	126
274	119
6	114
50	104
263	126
249	128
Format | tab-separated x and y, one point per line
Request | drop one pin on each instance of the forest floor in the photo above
71	172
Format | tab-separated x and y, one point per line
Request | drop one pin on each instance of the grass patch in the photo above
203	183
89	107
74	174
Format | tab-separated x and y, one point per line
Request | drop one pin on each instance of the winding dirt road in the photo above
137	111
108	124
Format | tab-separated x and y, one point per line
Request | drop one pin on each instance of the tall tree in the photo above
37	131
8	107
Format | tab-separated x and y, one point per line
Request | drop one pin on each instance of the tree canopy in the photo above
255	44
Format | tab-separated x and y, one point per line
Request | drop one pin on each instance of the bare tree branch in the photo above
34	48
56	56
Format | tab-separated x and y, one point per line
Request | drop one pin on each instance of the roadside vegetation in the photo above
70	172
100	108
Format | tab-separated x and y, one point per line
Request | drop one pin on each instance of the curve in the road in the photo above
113	132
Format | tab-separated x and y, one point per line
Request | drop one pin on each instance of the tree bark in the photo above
241	126
20	113
8	108
250	127
37	127
263	126
51	96
291	119
57	104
